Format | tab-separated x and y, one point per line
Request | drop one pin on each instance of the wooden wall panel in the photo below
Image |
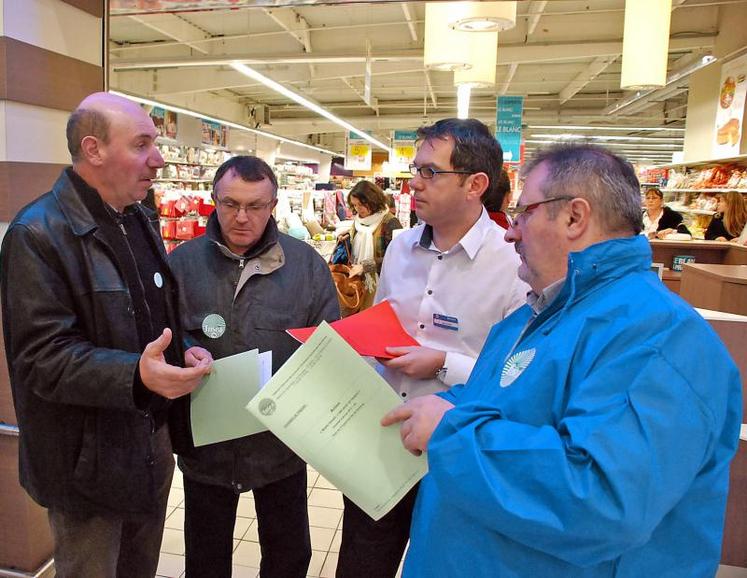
57	81
94	7
21	183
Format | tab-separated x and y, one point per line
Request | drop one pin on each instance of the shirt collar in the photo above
472	240
540	302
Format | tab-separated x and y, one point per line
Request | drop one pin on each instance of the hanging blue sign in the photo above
508	113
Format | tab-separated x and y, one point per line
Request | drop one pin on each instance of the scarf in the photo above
363	244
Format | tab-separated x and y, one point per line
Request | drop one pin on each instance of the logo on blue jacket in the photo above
515	366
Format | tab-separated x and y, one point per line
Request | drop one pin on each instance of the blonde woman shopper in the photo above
370	234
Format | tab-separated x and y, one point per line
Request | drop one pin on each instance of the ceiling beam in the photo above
429	84
508	54
596	67
176	28
534	14
509	77
374	105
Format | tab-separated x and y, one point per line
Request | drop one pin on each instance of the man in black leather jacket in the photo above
93	342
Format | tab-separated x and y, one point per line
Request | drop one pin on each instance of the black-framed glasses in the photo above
232	207
521	209
430	172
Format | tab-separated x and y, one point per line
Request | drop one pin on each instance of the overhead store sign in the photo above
508	112
358	157
403	148
730	108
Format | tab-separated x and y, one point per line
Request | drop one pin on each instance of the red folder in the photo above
369	332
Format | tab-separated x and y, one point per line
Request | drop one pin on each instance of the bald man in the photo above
94	347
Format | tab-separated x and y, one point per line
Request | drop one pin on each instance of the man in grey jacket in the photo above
244	284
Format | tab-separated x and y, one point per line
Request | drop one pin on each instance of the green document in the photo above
217	405
325	403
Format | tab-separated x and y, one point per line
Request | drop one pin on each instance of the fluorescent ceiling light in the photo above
571	136
221	121
277	87
611	128
463	94
671	79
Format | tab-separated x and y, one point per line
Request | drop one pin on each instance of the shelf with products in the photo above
295	175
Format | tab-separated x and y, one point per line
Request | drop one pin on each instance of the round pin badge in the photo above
157	279
214	326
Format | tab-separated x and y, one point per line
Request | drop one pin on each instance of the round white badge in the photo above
158	280
213	326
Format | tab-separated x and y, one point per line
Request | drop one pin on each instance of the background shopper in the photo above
658	219
93	343
370	234
497	199
730	219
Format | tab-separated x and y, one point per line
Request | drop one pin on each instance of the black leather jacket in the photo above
72	346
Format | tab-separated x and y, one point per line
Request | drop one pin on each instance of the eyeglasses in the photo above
232	207
521	209
430	172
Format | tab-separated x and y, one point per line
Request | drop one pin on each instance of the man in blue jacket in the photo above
587	441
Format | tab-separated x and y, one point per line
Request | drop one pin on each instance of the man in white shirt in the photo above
449	280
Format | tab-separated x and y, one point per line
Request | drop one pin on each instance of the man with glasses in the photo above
588	441
449	280
243	284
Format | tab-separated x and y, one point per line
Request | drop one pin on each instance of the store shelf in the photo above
683	209
169	162
703	163
712	190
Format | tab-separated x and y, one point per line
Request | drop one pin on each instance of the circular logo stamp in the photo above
213	326
267	406
157	279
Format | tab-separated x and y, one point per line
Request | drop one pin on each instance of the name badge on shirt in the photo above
446	322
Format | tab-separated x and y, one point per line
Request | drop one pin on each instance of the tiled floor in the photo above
325	521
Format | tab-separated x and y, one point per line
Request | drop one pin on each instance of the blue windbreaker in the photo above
594	442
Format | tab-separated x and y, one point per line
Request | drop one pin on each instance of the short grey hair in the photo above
85	122
606	181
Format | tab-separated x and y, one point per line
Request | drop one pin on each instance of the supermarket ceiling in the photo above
563	56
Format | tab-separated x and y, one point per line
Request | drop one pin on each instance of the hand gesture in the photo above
419	418
167	380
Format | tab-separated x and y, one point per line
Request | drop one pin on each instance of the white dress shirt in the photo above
449	300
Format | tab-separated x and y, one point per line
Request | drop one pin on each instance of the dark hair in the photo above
475	148
369	195
493	198
85	122
251	169
656	191
606	181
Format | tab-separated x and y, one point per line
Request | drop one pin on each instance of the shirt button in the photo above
404	394
149	461
430	292
440	257
239	486
421	325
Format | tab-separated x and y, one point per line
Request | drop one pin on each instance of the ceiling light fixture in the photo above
483	54
482	16
279	88
591	127
645	44
444	48
237	126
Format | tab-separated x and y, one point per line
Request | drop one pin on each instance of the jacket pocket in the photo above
85	465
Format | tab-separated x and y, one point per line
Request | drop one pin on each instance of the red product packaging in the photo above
168	209
168	229
185	230
205	209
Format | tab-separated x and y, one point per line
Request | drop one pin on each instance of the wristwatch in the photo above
441	373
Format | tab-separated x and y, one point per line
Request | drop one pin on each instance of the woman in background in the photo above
370	234
730	218
658	219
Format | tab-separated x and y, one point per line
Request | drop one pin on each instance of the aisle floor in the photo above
325	521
